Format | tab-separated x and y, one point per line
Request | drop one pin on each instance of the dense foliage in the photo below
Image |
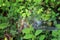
29	19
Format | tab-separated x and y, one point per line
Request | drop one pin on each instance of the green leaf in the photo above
1	1
38	1
39	11
29	0
26	30
54	33
13	32
23	15
27	13
54	39
53	0
3	25
38	32
59	9
19	0
31	28
46	1
47	17
28	36
58	25
58	2
42	37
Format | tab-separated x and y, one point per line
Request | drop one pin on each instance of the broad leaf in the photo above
54	33
3	25
26	30
58	26
38	32
28	36
42	37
